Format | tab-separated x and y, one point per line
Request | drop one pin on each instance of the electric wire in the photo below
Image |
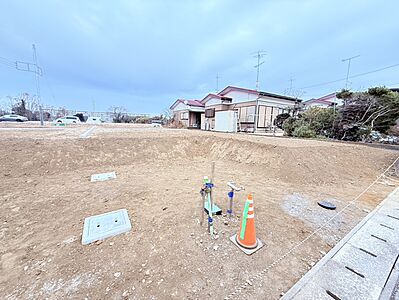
353	76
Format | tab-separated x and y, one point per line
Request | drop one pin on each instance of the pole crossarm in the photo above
28	67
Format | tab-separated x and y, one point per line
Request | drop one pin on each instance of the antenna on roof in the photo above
217	82
259	55
291	80
349	66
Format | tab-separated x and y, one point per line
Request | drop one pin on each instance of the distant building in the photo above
251	110
188	112
329	100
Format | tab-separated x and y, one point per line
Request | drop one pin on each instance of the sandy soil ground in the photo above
46	194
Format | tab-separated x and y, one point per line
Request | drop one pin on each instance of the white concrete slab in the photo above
345	284
103	176
372	266
105	225
312	291
87	133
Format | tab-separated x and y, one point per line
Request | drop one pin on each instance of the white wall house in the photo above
255	110
329	100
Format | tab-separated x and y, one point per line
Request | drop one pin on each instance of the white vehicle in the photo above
67	120
13	118
156	123
93	120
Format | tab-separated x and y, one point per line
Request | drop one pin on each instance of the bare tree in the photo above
26	105
118	113
362	112
168	115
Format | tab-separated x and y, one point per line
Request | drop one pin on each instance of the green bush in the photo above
304	131
311	123
280	119
289	126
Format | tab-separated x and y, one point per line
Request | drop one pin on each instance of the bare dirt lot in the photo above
46	194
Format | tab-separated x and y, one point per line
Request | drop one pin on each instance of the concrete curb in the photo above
310	275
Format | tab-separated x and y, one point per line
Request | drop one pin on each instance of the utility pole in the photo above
217	82
349	65
33	68
38	84
258	55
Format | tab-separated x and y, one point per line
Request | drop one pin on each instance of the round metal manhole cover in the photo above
327	205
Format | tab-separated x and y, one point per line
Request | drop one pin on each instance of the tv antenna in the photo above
217	82
259	55
349	66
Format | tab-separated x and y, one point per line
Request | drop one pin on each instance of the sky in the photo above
143	55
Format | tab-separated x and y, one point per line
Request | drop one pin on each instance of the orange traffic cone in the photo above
246	238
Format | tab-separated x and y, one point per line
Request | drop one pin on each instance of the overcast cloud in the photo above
145	54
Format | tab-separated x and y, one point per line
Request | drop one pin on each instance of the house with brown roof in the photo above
251	110
188	112
256	110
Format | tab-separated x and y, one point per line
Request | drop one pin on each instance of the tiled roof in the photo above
259	93
197	103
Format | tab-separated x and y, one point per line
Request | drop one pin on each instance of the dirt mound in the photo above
321	164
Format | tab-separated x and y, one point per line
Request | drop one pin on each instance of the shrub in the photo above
304	131
280	119
312	122
289	126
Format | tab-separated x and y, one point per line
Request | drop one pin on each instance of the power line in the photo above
353	76
22	66
6	62
365	73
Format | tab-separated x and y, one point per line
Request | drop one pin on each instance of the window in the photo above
184	116
210	113
247	114
267	115
71	118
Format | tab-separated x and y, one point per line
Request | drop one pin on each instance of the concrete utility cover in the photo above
326	204
105	225
103	176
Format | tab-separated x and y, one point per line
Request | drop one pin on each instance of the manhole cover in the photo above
327	205
106	225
